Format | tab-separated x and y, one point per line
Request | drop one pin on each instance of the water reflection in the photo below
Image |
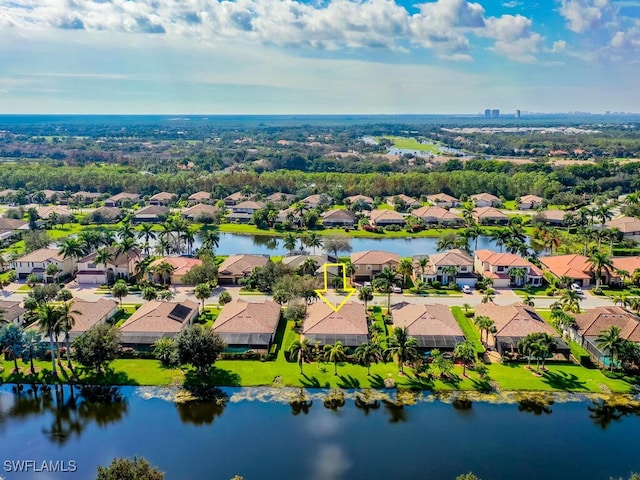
301	403
603	413
536	403
202	406
334	400
367	400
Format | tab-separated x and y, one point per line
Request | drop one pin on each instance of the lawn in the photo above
412	144
469	330
533	292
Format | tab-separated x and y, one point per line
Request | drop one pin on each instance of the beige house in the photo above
199	197
528	202
440	268
485	200
199	211
338	218
279	197
121	199
489	216
513	323
577	267
382	218
628	226
348	325
235	198
250	325
106	215
369	263
119	266
436	216
10	227
317	199
162	198
553	216
433	326
90	314
243	211
11	312
151	214
155	320
399	200
37	262
235	267
443	200
506	269
181	266
358	198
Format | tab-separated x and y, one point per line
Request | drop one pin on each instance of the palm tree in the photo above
422	263
164	269
312	240
166	295
402	346
120	290
465	352
367	353
49	320
301	350
202	292
610	342
125	247
188	235
210	239
405	268
518	275
334	353
71	248
450	272
528	300
621	300
500	237
103	257
289	241
149	293
484	324
489	296
571	300
309	266
67	322
146	233
32	341
526	347
474	232
385	281
600	263
126	230
365	294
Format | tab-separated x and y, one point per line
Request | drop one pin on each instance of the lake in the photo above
231	243
259	435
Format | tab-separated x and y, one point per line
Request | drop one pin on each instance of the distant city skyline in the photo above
328	57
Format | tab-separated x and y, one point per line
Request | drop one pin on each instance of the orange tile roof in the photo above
239	316
574	266
592	322
153	317
351	319
374	257
425	319
515	320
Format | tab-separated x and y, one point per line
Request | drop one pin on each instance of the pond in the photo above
259	434
231	243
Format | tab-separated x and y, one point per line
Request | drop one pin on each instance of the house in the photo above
11	312
250	325
489	216
628	226
402	201
590	323
506	269
243	212
155	320
624	264
235	267
369	263
119	266
235	198
359	198
199	197
280	197
577	267
553	217
180	265
122	199
440	267
86	197
382	218
106	215
152	213
433	326
513	323
162	198
11	227
529	202
485	200
289	215
58	211
200	211
37	262
90	314
317	200
326	326
443	200
295	263
52	195
7	194
338	218
436	216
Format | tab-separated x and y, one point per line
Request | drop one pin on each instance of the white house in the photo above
37	262
506	269
119	266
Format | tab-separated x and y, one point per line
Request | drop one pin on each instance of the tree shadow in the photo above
450	379
536	403
215	376
563	381
420	383
376	381
348	382
482	385
108	376
313	382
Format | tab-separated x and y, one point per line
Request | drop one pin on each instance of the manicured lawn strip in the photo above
412	144
576	350
535	292
469	330
290	335
564	377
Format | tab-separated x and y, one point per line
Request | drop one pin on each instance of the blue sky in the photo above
319	56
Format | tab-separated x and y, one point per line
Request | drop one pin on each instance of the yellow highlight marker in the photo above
346	286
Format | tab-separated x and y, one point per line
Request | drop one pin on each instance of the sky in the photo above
318	56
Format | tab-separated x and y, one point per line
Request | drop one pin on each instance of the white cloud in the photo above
585	15
514	37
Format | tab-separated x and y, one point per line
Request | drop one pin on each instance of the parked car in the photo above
366	284
397	289
466	289
576	288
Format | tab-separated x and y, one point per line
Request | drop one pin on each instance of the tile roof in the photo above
44	212
554	214
11	223
241	264
385	215
455	257
405	198
42	255
355	198
487	197
181	265
152	210
509	260
200	209
240	316
11	310
592	322
441	197
489	212
351	319
200	196
374	257
425	319
531	199
625	224
249	204
435	212
155	317
574	266
124	196
90	313
515	320
339	215
163	196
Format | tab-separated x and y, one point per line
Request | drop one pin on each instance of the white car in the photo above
576	288
397	289
466	289
366	284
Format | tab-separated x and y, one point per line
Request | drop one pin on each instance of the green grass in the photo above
510	205
412	144
471	333
534	292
